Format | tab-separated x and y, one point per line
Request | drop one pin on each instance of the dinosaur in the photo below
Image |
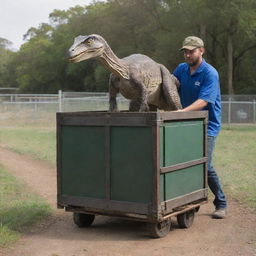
147	84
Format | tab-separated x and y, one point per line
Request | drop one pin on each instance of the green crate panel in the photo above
182	182
181	142
83	161
131	164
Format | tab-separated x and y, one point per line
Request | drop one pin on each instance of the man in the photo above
200	90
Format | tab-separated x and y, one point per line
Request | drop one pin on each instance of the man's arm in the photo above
197	105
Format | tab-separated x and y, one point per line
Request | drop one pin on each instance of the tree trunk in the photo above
203	32
230	65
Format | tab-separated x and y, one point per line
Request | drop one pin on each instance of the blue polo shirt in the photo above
202	84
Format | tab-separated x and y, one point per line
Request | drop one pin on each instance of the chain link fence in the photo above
235	108
34	107
238	109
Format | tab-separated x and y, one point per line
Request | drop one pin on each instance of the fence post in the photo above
60	101
229	111
254	111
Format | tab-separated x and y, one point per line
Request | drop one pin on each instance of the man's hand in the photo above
197	105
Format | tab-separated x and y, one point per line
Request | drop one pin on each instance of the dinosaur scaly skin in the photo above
147	84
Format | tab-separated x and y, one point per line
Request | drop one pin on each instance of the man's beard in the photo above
193	63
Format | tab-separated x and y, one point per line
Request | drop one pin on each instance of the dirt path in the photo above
58	236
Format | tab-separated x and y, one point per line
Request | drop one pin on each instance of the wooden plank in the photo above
185	208
185	199
169	116
58	143
107	119
176	167
206	153
156	207
105	205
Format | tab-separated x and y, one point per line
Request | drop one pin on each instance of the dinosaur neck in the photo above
114	64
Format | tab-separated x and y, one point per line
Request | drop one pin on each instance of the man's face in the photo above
193	57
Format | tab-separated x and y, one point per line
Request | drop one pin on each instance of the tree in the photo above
152	27
228	28
7	73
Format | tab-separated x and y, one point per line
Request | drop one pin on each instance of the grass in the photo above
19	208
235	162
39	142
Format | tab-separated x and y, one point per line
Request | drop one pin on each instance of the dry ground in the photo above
58	236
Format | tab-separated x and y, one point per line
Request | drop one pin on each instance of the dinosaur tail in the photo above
170	86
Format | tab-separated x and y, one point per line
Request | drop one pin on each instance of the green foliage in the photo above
152	27
7	65
19	208
101	76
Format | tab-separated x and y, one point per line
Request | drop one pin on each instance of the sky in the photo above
18	16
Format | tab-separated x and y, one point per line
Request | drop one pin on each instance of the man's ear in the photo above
202	50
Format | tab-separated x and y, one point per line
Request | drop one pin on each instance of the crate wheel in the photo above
186	219
83	219
160	229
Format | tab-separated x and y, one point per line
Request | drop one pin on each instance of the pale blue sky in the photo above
17	16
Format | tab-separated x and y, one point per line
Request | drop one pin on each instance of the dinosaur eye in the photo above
89	41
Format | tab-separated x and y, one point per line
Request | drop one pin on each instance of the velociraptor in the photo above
147	84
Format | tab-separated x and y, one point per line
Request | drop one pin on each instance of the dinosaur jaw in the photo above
86	54
77	57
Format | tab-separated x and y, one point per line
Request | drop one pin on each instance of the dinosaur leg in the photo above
113	91
144	107
140	102
138	105
152	107
170	84
134	106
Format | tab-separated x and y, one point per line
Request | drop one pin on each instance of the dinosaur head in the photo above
86	47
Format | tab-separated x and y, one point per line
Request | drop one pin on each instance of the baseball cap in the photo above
192	42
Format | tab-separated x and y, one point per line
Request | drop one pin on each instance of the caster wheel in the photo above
160	229
186	219
83	219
